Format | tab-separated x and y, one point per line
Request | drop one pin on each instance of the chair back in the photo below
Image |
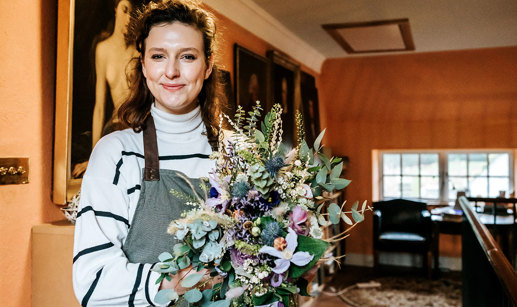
401	215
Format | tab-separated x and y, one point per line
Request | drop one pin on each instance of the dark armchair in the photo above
401	225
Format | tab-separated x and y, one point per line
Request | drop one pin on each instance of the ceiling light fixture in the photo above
372	36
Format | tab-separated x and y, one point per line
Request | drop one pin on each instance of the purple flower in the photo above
288	255
276	279
298	218
272	201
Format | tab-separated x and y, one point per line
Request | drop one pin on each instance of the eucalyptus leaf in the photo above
318	210
193	296
328	186
363	207
336	171
325	160
321	177
220	303
213	235
340	183
199	243
334	213
259	137
355	205
165	256
322	221
317	142
180	249
183	262
346	219
163	297
207	296
358	217
191	280
181	233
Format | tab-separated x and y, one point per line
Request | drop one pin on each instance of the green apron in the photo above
162	199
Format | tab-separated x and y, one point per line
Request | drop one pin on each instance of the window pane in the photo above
498	184
478	164
456	184
410	164
478	186
498	164
410	187
391	164
429	164
391	186
457	165
430	187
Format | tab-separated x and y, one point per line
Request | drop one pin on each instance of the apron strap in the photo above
152	164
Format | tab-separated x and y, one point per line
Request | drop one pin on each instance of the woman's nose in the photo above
172	71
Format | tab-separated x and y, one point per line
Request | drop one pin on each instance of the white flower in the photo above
235	292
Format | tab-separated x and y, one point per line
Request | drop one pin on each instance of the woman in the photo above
138	178
112	56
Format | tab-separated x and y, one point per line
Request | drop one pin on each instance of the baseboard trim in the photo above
401	259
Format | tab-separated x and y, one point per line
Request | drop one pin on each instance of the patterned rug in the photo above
405	291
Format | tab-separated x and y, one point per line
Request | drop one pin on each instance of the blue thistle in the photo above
270	233
274	164
240	189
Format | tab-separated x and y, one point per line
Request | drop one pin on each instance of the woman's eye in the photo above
189	57
157	56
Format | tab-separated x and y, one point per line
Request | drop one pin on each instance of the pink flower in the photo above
298	218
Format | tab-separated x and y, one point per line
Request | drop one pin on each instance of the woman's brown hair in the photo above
136	108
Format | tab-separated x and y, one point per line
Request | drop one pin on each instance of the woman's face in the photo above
175	66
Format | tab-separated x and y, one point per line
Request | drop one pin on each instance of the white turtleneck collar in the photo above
186	124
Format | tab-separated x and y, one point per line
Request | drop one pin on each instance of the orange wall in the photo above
27	59
460	99
27	76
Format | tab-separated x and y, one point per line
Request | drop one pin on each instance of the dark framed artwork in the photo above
285	80
91	68
251	78
310	107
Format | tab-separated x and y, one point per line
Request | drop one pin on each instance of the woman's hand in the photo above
175	283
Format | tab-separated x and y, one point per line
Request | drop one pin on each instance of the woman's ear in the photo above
209	67
144	72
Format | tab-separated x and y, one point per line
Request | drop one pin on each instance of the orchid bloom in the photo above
219	197
287	256
298	218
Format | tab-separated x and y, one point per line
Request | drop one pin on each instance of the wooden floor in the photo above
350	275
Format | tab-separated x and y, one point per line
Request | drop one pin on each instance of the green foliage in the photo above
193	296
334	213
314	247
191	280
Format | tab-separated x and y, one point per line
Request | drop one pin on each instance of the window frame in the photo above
443	155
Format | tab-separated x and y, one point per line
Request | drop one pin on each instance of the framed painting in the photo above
310	108
251	72
285	90
93	62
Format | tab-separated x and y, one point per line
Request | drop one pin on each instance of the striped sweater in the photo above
102	275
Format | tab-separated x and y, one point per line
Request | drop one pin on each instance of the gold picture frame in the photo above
83	25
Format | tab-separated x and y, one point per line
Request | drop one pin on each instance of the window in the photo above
439	175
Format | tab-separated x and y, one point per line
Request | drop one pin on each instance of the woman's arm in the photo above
102	274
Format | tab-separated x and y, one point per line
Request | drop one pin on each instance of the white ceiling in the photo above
436	25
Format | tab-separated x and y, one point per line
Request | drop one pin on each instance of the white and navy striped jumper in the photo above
102	275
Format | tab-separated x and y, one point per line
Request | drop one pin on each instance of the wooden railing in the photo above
488	279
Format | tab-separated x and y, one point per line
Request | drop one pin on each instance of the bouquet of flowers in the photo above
261	229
